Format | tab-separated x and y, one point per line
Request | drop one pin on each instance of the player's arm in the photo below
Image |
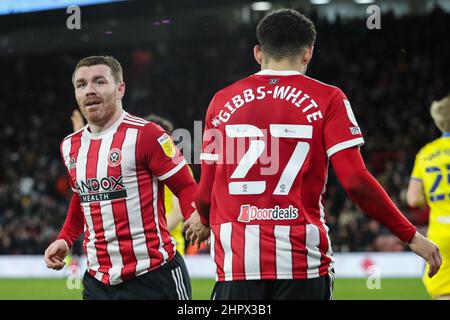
415	196
74	223
368	194
71	230
197	228
342	137
162	158
204	192
183	186
365	191
211	147
77	120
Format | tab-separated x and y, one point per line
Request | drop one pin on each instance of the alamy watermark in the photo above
73	22
237	144
373	278
374	19
73	281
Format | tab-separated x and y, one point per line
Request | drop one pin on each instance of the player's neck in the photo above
97	127
283	65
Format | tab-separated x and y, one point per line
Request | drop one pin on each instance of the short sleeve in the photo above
341	130
417	169
160	153
68	162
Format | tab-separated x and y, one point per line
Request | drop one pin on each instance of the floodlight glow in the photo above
364	1
320	1
261	6
25	6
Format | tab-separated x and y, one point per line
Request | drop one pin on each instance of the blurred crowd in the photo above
390	76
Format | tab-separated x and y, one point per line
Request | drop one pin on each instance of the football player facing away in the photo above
268	141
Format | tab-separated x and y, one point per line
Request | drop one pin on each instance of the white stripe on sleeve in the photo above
173	171
209	156
344	145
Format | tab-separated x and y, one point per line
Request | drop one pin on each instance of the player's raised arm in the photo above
368	194
77	120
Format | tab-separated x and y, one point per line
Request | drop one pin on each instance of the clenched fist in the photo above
56	253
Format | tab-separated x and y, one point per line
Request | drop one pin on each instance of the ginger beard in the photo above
98	109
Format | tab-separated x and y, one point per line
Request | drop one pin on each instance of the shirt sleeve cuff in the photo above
69	243
204	220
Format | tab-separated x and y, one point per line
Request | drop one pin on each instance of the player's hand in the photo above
427	250
77	120
195	231
55	254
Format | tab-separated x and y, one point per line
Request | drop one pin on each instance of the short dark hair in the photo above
162	122
284	33
112	63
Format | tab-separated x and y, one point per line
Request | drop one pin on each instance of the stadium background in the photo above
175	56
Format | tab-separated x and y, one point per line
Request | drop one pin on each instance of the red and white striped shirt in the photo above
268	139
117	174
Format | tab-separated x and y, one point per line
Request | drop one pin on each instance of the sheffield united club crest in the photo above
114	157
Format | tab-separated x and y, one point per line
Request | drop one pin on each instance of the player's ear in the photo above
308	55
257	52
121	90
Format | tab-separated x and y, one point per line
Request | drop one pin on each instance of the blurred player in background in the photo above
118	165
430	184
171	204
269	236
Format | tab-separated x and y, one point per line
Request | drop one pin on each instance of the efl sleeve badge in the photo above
167	145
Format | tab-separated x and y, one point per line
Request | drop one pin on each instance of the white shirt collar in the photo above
268	72
101	134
